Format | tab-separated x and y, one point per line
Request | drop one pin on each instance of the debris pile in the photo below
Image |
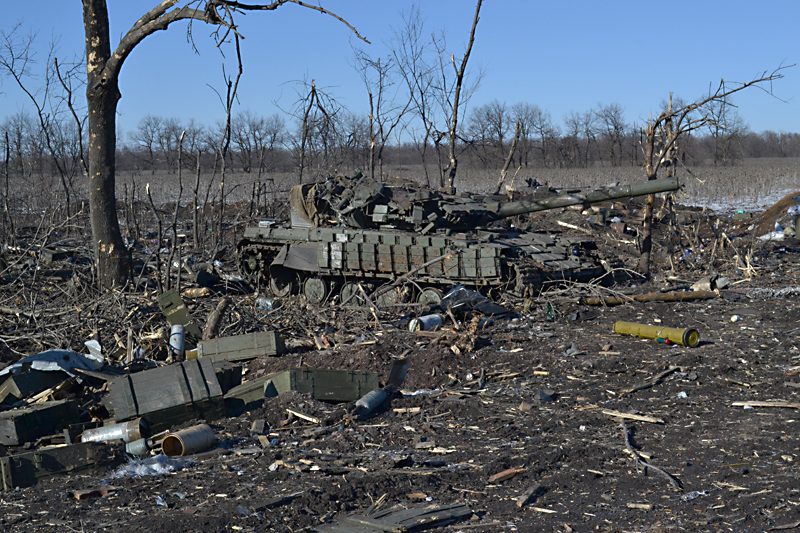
585	407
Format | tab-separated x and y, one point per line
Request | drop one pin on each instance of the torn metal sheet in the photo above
177	314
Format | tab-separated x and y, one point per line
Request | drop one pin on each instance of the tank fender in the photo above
297	257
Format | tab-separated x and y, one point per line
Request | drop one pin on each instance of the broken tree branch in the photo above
640	460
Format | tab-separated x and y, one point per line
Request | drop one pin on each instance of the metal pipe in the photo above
127	431
188	441
590	197
685	337
679	296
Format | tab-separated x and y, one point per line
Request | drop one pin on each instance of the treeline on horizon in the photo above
260	144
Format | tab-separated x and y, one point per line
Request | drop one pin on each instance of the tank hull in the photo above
321	262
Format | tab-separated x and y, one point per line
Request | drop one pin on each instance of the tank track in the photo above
254	261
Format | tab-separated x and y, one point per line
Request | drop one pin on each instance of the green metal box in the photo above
19	426
169	395
242	347
326	385
26	469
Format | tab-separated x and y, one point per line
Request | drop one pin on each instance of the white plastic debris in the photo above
773	236
95	354
55	360
152	466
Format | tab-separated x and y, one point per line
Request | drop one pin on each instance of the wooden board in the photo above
400	520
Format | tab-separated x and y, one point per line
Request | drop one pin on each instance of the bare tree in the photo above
439	94
410	50
456	102
672	124
537	131
488	127
16	60
168	139
612	120
509	159
726	130
385	111
102	95
147	135
319	118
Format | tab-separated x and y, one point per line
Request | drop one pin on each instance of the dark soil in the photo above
541	409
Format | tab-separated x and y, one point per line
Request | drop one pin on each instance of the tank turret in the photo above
349	236
365	203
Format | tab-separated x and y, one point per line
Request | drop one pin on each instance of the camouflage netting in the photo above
303	203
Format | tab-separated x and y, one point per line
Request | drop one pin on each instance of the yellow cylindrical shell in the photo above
685	337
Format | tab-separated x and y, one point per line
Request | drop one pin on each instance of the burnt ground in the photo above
542	409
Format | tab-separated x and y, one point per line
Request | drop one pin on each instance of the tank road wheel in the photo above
281	282
351	294
315	290
429	296
394	296
250	266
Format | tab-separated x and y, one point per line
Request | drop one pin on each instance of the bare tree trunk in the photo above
174	245
453	133
195	207
6	211
510	158
102	95
159	237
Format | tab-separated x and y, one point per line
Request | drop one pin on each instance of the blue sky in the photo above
560	55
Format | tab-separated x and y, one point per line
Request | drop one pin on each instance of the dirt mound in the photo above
765	222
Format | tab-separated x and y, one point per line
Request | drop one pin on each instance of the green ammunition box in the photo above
326	385
169	395
242	347
26	469
19	426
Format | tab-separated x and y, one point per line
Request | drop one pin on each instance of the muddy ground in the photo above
542	408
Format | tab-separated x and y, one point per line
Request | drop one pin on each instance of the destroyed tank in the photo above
349	236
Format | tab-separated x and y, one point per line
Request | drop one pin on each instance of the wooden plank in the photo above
629	416
373	525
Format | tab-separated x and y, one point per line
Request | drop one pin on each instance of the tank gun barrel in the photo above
609	193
